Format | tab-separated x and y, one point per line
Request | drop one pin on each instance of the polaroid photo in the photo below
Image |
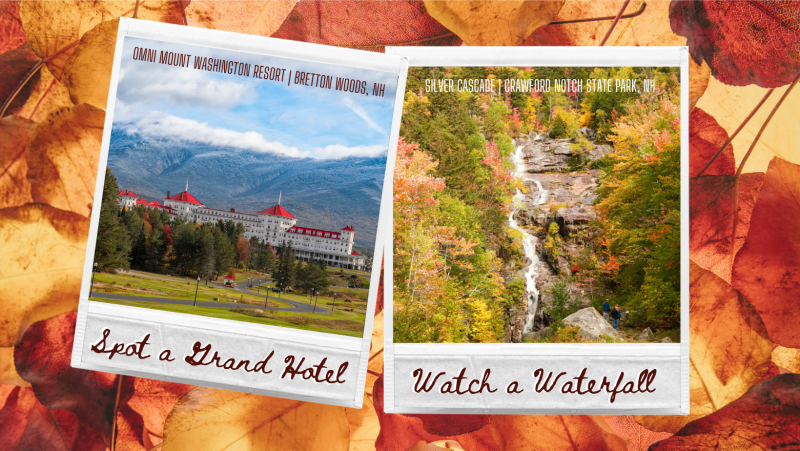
242	202
540	258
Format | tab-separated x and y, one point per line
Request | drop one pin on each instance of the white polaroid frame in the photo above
400	398
238	335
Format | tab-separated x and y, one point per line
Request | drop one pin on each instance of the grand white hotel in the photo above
275	225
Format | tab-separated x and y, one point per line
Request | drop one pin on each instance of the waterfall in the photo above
528	241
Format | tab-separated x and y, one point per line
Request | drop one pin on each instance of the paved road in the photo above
296	307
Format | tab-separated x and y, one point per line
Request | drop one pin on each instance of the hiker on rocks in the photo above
615	315
606	310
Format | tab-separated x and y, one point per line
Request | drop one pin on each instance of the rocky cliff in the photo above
555	194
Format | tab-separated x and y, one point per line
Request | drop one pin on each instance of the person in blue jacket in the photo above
606	310
615	314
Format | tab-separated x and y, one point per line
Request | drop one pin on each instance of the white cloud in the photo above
163	125
362	113
339	151
185	87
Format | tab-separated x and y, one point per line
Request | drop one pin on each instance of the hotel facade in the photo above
275	225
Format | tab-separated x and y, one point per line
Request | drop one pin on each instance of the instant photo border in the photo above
401	358
354	349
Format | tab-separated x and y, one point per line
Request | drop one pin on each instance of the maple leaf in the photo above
721	319
650	28
261	17
211	419
365	25
401	432
767	267
63	156
493	23
11	33
27	425
638	437
705	138
743	42
763	418
15	189
43	250
711	219
43	358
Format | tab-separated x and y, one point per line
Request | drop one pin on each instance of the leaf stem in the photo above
638	12
116	408
741	126
744	161
614	24
19	86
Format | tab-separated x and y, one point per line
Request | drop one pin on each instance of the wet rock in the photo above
665	340
591	324
646	335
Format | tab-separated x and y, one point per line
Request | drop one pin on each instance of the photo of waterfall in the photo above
538	205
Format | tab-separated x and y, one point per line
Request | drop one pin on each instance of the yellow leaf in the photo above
493	23
364	426
209	419
722	321
554	433
699	76
63	157
730	105
43	249
8	372
14	187
55	28
47	94
375	365
651	28
262	18
787	358
88	71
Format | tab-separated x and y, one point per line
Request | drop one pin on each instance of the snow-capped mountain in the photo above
324	194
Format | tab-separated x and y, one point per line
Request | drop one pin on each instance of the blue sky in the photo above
186	104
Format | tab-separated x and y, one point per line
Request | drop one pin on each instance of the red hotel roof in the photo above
229	277
276	211
355	253
314	232
185	197
129	193
348	229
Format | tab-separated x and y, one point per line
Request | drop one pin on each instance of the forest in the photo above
454	190
146	239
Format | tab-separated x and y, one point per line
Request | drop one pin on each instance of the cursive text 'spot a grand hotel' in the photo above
275	225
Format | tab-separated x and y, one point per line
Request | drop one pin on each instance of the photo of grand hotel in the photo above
275	225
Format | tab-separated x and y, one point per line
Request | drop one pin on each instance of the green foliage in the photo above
639	206
113	245
580	154
558	129
552	242
563	303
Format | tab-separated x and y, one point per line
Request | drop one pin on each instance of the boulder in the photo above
646	335
542	333
591	324
665	340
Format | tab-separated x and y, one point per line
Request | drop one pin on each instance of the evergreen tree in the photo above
113	248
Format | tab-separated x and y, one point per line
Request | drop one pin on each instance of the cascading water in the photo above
528	242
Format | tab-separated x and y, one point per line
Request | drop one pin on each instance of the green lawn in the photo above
352	291
227	314
173	287
323	301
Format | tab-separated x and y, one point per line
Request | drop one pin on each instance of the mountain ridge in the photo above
322	194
